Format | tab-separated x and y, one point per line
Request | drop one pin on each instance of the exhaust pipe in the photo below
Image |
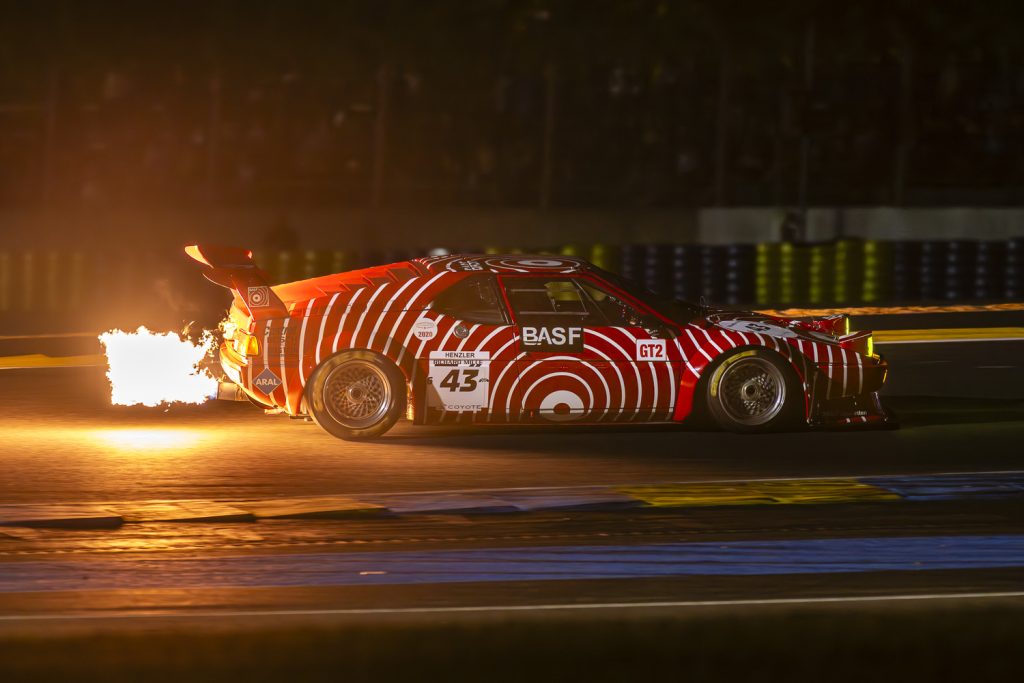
229	391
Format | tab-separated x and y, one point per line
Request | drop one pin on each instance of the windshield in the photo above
676	310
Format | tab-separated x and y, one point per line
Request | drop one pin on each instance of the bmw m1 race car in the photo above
527	339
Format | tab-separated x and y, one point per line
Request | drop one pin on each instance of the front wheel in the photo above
752	391
356	395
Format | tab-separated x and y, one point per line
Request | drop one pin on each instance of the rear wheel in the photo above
752	391
356	395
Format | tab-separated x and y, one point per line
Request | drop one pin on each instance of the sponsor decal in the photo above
258	297
267	381
465	265
756	327
651	349
551	338
562	406
459	380
425	328
542	263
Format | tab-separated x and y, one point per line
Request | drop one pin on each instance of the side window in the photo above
474	300
615	310
550	301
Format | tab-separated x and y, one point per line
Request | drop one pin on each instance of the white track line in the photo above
7	618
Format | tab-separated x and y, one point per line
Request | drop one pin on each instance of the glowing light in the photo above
150	369
147	438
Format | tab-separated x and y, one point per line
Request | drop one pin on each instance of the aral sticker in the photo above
425	328
458	380
267	381
651	349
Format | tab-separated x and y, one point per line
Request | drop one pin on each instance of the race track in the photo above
64	445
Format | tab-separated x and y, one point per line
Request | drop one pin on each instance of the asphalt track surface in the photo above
61	442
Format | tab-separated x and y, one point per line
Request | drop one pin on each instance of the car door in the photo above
646	361
558	374
467	340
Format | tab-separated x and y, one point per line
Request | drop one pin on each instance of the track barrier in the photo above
770	275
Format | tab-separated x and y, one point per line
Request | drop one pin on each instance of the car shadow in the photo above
910	413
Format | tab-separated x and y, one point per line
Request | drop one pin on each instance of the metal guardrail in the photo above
851	272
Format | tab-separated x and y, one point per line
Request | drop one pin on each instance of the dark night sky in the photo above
504	103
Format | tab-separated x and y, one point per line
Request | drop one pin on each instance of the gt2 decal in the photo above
651	349
458	380
552	339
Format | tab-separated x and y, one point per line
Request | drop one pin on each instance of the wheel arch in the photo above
316	406
396	351
801	366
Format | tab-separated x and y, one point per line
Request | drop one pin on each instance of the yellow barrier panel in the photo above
841	270
283	267
818	265
869	285
875	283
604	256
28	273
339	262
76	280
309	265
766	265
5	282
786	277
53	294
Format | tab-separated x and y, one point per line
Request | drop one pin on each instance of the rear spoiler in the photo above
233	268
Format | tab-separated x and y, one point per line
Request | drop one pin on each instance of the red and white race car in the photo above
527	339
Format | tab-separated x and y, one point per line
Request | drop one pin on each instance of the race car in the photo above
489	339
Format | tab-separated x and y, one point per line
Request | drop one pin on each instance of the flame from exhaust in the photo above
150	368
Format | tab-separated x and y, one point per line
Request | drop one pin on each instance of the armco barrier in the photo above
775	275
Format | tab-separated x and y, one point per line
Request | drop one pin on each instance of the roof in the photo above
503	263
304	290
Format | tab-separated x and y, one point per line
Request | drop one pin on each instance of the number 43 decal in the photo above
460	380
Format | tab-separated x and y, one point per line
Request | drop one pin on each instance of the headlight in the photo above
861	342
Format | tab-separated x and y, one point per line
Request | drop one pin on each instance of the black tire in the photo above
356	395
753	390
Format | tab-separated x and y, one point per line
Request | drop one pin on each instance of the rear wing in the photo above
233	268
